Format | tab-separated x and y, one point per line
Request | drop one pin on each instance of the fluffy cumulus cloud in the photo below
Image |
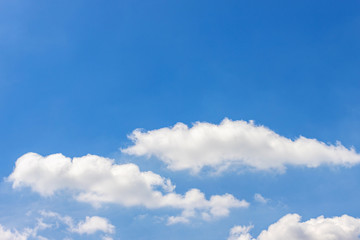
235	143
92	225
240	233
7	234
99	180
290	227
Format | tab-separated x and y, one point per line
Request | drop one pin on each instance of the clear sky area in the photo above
143	120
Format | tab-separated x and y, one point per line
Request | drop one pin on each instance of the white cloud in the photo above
107	238
259	198
94	224
6	234
240	233
64	219
290	227
178	219
235	143
90	225
98	180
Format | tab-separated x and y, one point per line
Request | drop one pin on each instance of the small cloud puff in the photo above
92	225
240	233
259	198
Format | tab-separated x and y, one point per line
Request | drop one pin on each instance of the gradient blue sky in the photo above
77	77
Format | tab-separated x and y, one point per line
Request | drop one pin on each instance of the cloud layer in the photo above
99	180
235	143
290	227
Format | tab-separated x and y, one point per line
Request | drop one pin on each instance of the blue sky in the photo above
78	77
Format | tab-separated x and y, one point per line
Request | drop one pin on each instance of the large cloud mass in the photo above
235	143
98	180
290	227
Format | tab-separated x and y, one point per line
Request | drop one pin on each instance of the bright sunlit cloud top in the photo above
235	143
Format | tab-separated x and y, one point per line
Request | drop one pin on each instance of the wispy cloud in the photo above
259	198
90	225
